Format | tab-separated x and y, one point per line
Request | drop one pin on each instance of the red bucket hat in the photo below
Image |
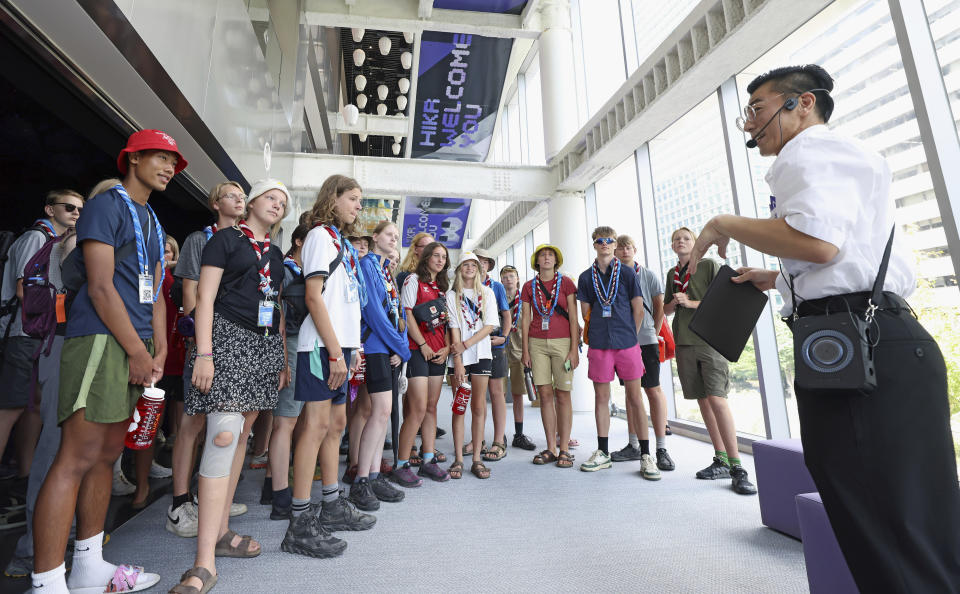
146	140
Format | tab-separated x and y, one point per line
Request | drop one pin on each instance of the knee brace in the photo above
217	459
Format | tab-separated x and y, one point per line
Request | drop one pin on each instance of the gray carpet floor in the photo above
526	529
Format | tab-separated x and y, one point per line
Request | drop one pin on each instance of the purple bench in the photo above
781	476
827	571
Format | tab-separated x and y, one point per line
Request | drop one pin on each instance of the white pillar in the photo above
566	209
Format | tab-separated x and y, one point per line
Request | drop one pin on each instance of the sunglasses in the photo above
604	240
68	207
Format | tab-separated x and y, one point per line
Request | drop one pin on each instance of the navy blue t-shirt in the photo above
503	304
618	331
106	219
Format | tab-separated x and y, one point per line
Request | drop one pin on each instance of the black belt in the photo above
852	302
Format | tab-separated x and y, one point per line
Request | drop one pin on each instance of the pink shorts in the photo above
628	364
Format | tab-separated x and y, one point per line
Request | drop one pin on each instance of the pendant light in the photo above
382	91
358	57
396	148
408	37
360	81
381	109
361	101
357	34
404	85
362	136
406	60
384	44
351	115
401	102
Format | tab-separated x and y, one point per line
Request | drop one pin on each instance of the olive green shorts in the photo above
703	372
94	375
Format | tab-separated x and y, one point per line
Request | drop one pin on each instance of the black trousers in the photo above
885	468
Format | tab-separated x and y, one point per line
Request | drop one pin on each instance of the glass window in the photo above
541	234
855	42
654	20
513	123
618	202
601	50
692	183
535	114
520	259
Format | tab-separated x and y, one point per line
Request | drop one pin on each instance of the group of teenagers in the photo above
285	332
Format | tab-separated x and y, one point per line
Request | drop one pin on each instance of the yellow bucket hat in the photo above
546	246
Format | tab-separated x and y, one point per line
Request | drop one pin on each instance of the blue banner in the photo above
501	6
444	218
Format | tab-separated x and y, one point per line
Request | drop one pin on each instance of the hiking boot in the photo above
741	481
597	461
523	442
385	491
362	496
627	454
716	470
306	535
664	461
433	471
648	468
349	475
183	520
405	477
341	515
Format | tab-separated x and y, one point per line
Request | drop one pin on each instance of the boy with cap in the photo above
115	344
551	340
613	305
498	340
511	284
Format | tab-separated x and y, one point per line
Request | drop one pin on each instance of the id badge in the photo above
607	311
146	288
544	324
265	314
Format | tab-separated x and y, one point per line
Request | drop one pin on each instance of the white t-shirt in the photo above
409	291
459	320
343	305
837	190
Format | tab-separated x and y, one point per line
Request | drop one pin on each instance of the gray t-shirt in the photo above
21	250
650	287
188	265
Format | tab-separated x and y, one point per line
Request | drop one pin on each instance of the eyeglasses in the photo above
68	207
749	115
236	197
604	240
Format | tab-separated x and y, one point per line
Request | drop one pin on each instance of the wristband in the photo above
420	346
335	359
205	356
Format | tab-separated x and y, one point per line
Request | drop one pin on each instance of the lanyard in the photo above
606	295
466	304
393	297
210	230
352	270
290	263
141	241
47	226
678	285
515	310
538	296
264	270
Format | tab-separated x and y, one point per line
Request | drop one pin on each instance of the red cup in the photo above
145	419
461	399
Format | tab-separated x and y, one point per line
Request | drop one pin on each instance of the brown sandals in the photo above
544	457
242	550
201	573
564	460
479	470
456	470
497	452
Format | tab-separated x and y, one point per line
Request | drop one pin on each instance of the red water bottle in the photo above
461	399
145	419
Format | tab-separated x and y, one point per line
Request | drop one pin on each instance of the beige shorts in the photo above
703	372
547	355
514	355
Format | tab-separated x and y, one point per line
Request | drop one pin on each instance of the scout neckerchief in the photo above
47	227
474	312
143	267
606	295
678	285
290	263
353	270
264	270
515	310
393	296
209	230
538	297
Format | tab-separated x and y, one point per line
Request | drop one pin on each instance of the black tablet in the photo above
728	313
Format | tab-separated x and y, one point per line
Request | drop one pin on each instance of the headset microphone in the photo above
789	105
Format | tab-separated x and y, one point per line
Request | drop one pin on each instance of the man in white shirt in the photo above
895	510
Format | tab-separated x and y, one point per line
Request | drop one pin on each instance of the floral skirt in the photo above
246	371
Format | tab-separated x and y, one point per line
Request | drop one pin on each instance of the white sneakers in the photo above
648	468
158	471
183	522
121	486
237	509
598	461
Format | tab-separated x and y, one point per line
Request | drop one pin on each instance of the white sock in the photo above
51	582
634	441
89	568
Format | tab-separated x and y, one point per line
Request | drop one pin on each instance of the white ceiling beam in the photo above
421	177
369	123
404	15
530	11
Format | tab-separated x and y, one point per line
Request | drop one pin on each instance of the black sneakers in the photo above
341	515
385	491
523	442
626	454
306	535
664	461
741	482
716	470
361	495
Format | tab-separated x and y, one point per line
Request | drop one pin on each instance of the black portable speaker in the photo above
834	352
